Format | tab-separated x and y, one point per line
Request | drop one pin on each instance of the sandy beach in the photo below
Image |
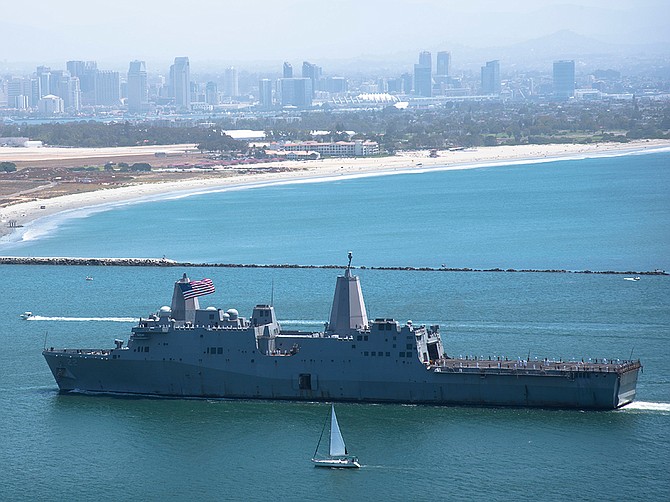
28	213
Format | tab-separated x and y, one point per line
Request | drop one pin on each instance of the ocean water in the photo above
595	214
598	214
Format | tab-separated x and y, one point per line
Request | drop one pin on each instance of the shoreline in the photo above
28	215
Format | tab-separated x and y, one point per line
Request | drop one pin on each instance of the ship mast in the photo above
348	311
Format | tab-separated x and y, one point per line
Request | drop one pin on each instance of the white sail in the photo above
337	447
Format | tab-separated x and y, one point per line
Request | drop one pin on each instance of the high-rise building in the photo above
288	70
180	73
426	59
44	76
295	92
395	85
443	63
312	72
335	85
67	88
19	91
211	93
85	71
564	79
230	82
107	88
265	93
138	91
423	75
407	80
491	77
55	84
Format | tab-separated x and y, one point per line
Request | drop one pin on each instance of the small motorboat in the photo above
26	315
632	278
89	278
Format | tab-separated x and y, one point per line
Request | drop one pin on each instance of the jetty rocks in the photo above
166	262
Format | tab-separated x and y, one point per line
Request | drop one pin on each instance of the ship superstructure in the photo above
186	351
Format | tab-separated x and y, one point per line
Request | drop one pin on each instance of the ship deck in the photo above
534	366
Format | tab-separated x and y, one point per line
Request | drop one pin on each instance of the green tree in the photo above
7	167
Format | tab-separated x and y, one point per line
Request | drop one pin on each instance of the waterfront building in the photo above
107	88
358	148
265	93
137	89
180	78
230	82
295	92
491	78
564	79
50	105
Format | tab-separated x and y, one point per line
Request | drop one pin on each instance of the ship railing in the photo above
79	352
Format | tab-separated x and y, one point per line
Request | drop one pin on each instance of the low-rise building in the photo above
357	148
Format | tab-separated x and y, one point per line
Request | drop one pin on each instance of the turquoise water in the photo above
82	447
599	214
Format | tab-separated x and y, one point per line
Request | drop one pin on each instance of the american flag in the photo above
197	288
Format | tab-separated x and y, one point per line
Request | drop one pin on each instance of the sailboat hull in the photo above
336	463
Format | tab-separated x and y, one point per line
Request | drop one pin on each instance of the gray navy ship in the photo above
186	351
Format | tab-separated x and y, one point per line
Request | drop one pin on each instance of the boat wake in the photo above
58	318
647	406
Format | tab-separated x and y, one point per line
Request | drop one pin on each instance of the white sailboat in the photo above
337	453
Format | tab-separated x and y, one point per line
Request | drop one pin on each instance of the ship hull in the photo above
337	382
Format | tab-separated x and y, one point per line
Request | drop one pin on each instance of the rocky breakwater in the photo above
118	262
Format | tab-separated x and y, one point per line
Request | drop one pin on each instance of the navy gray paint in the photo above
186	351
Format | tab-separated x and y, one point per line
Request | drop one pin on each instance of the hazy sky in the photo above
117	31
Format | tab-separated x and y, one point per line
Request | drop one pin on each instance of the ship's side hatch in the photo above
306	381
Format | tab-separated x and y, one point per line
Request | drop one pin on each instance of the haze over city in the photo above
262	31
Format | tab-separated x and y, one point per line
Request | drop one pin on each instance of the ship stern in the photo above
627	384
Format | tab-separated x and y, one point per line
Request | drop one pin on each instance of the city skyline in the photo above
74	29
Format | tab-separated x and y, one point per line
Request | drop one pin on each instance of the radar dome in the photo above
232	313
165	309
210	308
